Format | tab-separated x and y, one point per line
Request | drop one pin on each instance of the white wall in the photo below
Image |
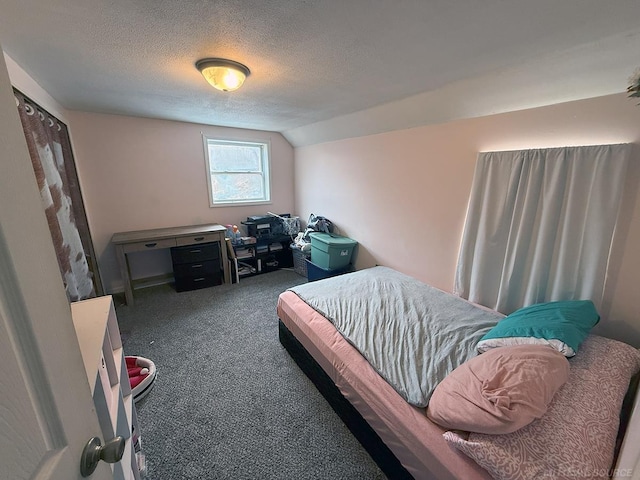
403	194
27	85
46	404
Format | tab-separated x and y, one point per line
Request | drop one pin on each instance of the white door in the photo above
46	410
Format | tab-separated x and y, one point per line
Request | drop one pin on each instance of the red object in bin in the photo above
142	375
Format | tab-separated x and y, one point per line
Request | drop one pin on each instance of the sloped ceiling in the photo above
323	69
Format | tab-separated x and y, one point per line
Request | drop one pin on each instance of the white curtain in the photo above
540	225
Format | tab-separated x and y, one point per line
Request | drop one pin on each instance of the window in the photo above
237	172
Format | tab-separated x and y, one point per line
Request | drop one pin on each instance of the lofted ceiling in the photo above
323	69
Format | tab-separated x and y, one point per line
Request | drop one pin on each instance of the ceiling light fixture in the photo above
225	75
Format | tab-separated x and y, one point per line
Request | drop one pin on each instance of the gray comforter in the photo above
413	334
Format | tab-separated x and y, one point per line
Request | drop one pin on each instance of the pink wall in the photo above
139	173
403	194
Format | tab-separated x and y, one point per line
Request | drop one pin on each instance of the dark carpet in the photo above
229	402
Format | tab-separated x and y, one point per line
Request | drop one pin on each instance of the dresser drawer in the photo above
195	239
195	253
196	269
149	245
192	283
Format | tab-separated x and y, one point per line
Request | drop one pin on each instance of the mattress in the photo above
414	334
415	441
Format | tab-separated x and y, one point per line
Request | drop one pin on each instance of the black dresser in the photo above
197	266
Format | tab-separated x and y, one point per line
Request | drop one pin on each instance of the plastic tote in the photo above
314	272
331	251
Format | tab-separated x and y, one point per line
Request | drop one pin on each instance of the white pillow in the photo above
559	345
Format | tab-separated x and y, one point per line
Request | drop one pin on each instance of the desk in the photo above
144	240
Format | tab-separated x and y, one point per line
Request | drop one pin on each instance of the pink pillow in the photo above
576	438
499	391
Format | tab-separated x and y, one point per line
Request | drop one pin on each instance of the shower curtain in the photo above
50	151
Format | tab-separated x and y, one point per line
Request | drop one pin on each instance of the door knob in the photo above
94	451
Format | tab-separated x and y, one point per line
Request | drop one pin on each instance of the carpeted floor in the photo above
229	402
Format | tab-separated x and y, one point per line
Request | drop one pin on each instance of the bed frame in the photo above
627	457
358	426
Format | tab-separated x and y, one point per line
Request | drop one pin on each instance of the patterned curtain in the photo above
50	151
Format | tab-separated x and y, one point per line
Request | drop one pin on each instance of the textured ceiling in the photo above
323	69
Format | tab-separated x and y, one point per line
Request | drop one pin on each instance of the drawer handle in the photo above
198	279
195	251
198	239
150	245
199	265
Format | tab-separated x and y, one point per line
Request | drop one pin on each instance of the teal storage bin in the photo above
330	251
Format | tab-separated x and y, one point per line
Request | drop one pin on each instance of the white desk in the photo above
145	240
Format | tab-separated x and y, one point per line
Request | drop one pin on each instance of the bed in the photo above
395	431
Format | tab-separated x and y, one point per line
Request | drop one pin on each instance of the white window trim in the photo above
267	170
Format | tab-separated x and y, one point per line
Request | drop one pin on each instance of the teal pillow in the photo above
563	325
